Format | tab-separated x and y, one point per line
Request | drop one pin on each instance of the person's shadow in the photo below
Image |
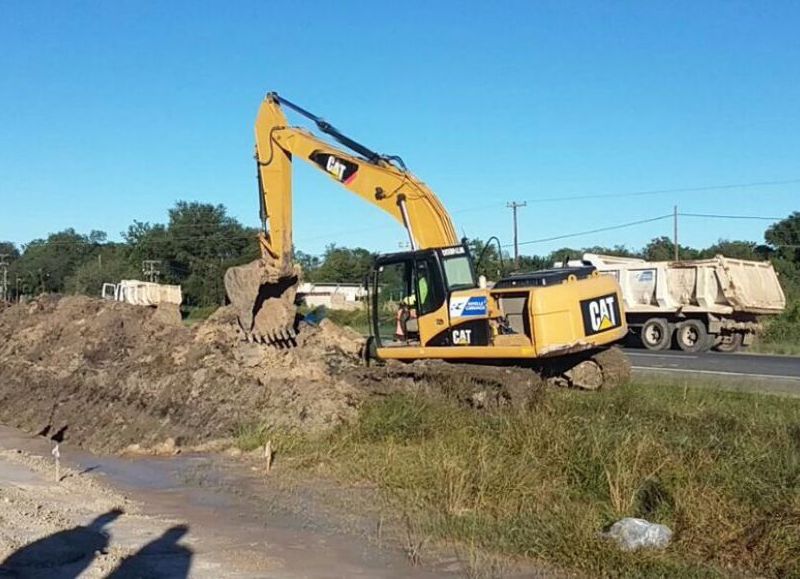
162	558
62	555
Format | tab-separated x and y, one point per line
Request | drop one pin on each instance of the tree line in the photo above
200	241
193	249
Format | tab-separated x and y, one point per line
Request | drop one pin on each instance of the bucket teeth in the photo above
279	338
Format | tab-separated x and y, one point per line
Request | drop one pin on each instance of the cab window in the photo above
458	271
430	296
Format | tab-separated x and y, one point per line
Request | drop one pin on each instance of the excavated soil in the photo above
119	375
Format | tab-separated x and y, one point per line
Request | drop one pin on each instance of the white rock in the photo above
632	534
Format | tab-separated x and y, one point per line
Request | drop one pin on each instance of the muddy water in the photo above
235	515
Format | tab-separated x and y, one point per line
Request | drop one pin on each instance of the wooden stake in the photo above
57	455
268	454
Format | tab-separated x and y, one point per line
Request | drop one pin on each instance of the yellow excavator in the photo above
426	303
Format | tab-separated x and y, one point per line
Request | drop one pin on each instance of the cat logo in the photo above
462	337
340	169
335	167
600	314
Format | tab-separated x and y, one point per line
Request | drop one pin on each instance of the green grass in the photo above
721	469
781	333
779	348
197	314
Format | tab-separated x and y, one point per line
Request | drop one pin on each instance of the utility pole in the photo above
513	205
4	266
675	232
150	269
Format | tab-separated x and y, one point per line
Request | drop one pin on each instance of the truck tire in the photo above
692	336
656	334
731	343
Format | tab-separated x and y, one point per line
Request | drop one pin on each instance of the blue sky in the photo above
112	111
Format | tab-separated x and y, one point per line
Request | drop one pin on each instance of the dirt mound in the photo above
119	374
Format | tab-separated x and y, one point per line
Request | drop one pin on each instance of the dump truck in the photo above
142	293
695	305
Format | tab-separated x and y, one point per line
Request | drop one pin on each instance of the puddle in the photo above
231	508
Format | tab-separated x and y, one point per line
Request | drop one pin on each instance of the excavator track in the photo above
484	386
601	369
473	385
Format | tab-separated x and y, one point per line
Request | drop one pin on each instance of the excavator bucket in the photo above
263	295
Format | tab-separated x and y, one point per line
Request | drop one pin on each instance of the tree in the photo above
203	241
111	265
490	261
784	236
45	264
564	255
735	249
308	263
533	262
9	249
341	264
196	247
146	241
617	251
663	249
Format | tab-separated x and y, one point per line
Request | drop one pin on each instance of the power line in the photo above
712	216
578	197
598	230
642	221
723	187
665	191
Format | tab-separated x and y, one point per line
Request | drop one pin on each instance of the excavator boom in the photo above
263	292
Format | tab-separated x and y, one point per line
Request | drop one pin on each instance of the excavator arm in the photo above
263	292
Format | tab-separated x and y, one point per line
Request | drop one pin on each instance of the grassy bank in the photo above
721	469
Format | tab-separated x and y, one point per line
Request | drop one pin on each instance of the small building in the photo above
334	296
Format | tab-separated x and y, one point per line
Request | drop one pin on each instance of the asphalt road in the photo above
715	364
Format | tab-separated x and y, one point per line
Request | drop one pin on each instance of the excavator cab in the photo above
410	292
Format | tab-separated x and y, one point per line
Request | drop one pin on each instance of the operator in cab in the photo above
406	316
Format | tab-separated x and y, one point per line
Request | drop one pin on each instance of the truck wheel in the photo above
656	334
729	343
692	336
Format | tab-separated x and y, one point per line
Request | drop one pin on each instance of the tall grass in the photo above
721	469
782	333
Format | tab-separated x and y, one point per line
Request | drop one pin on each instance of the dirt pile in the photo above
119	374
